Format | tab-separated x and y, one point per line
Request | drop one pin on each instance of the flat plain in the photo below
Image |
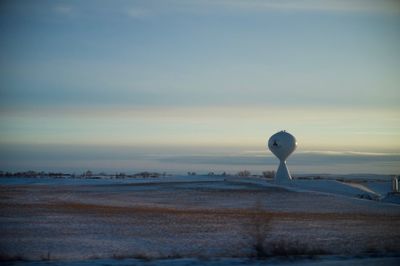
205	218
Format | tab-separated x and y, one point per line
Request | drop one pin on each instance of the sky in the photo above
184	85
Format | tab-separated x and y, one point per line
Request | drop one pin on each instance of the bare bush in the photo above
244	173
268	174
259	228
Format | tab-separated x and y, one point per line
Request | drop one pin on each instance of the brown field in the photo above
79	222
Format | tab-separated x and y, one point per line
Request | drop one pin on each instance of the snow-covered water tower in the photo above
282	144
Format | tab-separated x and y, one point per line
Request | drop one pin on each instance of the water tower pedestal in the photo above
282	174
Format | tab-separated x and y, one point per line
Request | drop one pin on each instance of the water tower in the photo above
282	144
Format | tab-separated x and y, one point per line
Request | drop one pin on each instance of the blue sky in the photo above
197	78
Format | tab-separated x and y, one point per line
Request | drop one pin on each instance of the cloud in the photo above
64	10
349	153
133	158
257	153
139	13
386	6
299	158
332	5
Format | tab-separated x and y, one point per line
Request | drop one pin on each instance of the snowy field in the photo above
200	220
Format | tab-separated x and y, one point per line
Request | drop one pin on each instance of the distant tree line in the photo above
265	174
33	174
90	175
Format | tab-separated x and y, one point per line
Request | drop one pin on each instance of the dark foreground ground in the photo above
192	223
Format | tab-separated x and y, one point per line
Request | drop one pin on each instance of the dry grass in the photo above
258	230
243	232
6	257
106	210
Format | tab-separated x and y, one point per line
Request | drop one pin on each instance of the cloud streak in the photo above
153	8
139	13
64	10
385	6
132	158
301	158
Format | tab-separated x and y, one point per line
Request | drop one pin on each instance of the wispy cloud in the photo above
154	8
350	153
386	6
139	12
45	156
331	153
300	158
64	10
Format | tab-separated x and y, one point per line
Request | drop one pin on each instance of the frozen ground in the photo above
320	261
205	220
